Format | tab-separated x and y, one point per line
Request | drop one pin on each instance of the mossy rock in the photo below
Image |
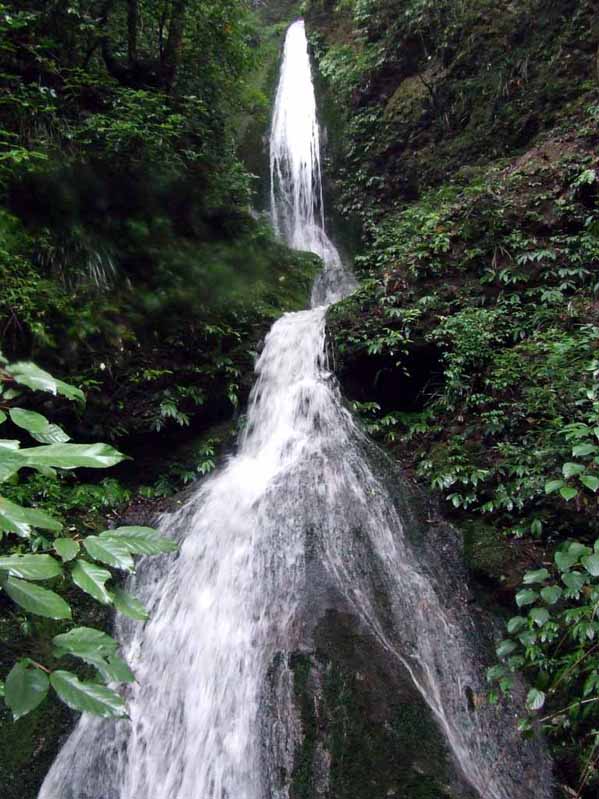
366	732
487	553
409	101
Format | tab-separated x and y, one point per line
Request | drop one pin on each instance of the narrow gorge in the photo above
299	399
298	566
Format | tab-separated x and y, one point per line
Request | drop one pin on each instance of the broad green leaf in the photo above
505	648
538	576
140	540
66	548
71	456
590	481
91	578
527	638
539	616
29	420
573	580
551	594
580	450
571	469
578	549
36	599
129	606
31	567
109	550
30	375
591	564
114	669
553	485
3	417
91	645
526	597
568	493
38	426
53	434
87	697
565	560
85	640
11	461
96	648
17	519
496	672
25	688
535	699
515	623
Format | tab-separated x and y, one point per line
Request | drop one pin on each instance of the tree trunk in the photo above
172	50
132	19
131	72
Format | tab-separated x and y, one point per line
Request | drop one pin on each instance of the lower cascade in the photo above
301	529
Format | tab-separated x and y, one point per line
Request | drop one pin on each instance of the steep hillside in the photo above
463	147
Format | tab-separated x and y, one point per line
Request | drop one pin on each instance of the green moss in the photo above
373	757
366	731
458	83
485	552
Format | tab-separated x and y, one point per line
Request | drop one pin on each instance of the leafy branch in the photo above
61	559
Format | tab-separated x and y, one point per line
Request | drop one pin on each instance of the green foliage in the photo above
129	257
131	262
584	437
554	640
518	368
87	696
469	167
345	64
32	539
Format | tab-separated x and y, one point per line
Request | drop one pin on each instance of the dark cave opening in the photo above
405	385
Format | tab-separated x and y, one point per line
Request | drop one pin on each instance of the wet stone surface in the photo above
365	732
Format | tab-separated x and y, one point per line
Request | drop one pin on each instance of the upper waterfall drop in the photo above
296	195
295	178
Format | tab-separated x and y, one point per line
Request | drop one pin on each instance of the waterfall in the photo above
295	177
296	196
237	594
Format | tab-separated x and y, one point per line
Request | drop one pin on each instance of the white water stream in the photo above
232	598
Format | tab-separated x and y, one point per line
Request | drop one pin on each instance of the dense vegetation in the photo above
464	149
122	189
42	551
462	157
132	265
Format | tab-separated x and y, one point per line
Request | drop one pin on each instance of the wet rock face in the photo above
343	715
364	730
